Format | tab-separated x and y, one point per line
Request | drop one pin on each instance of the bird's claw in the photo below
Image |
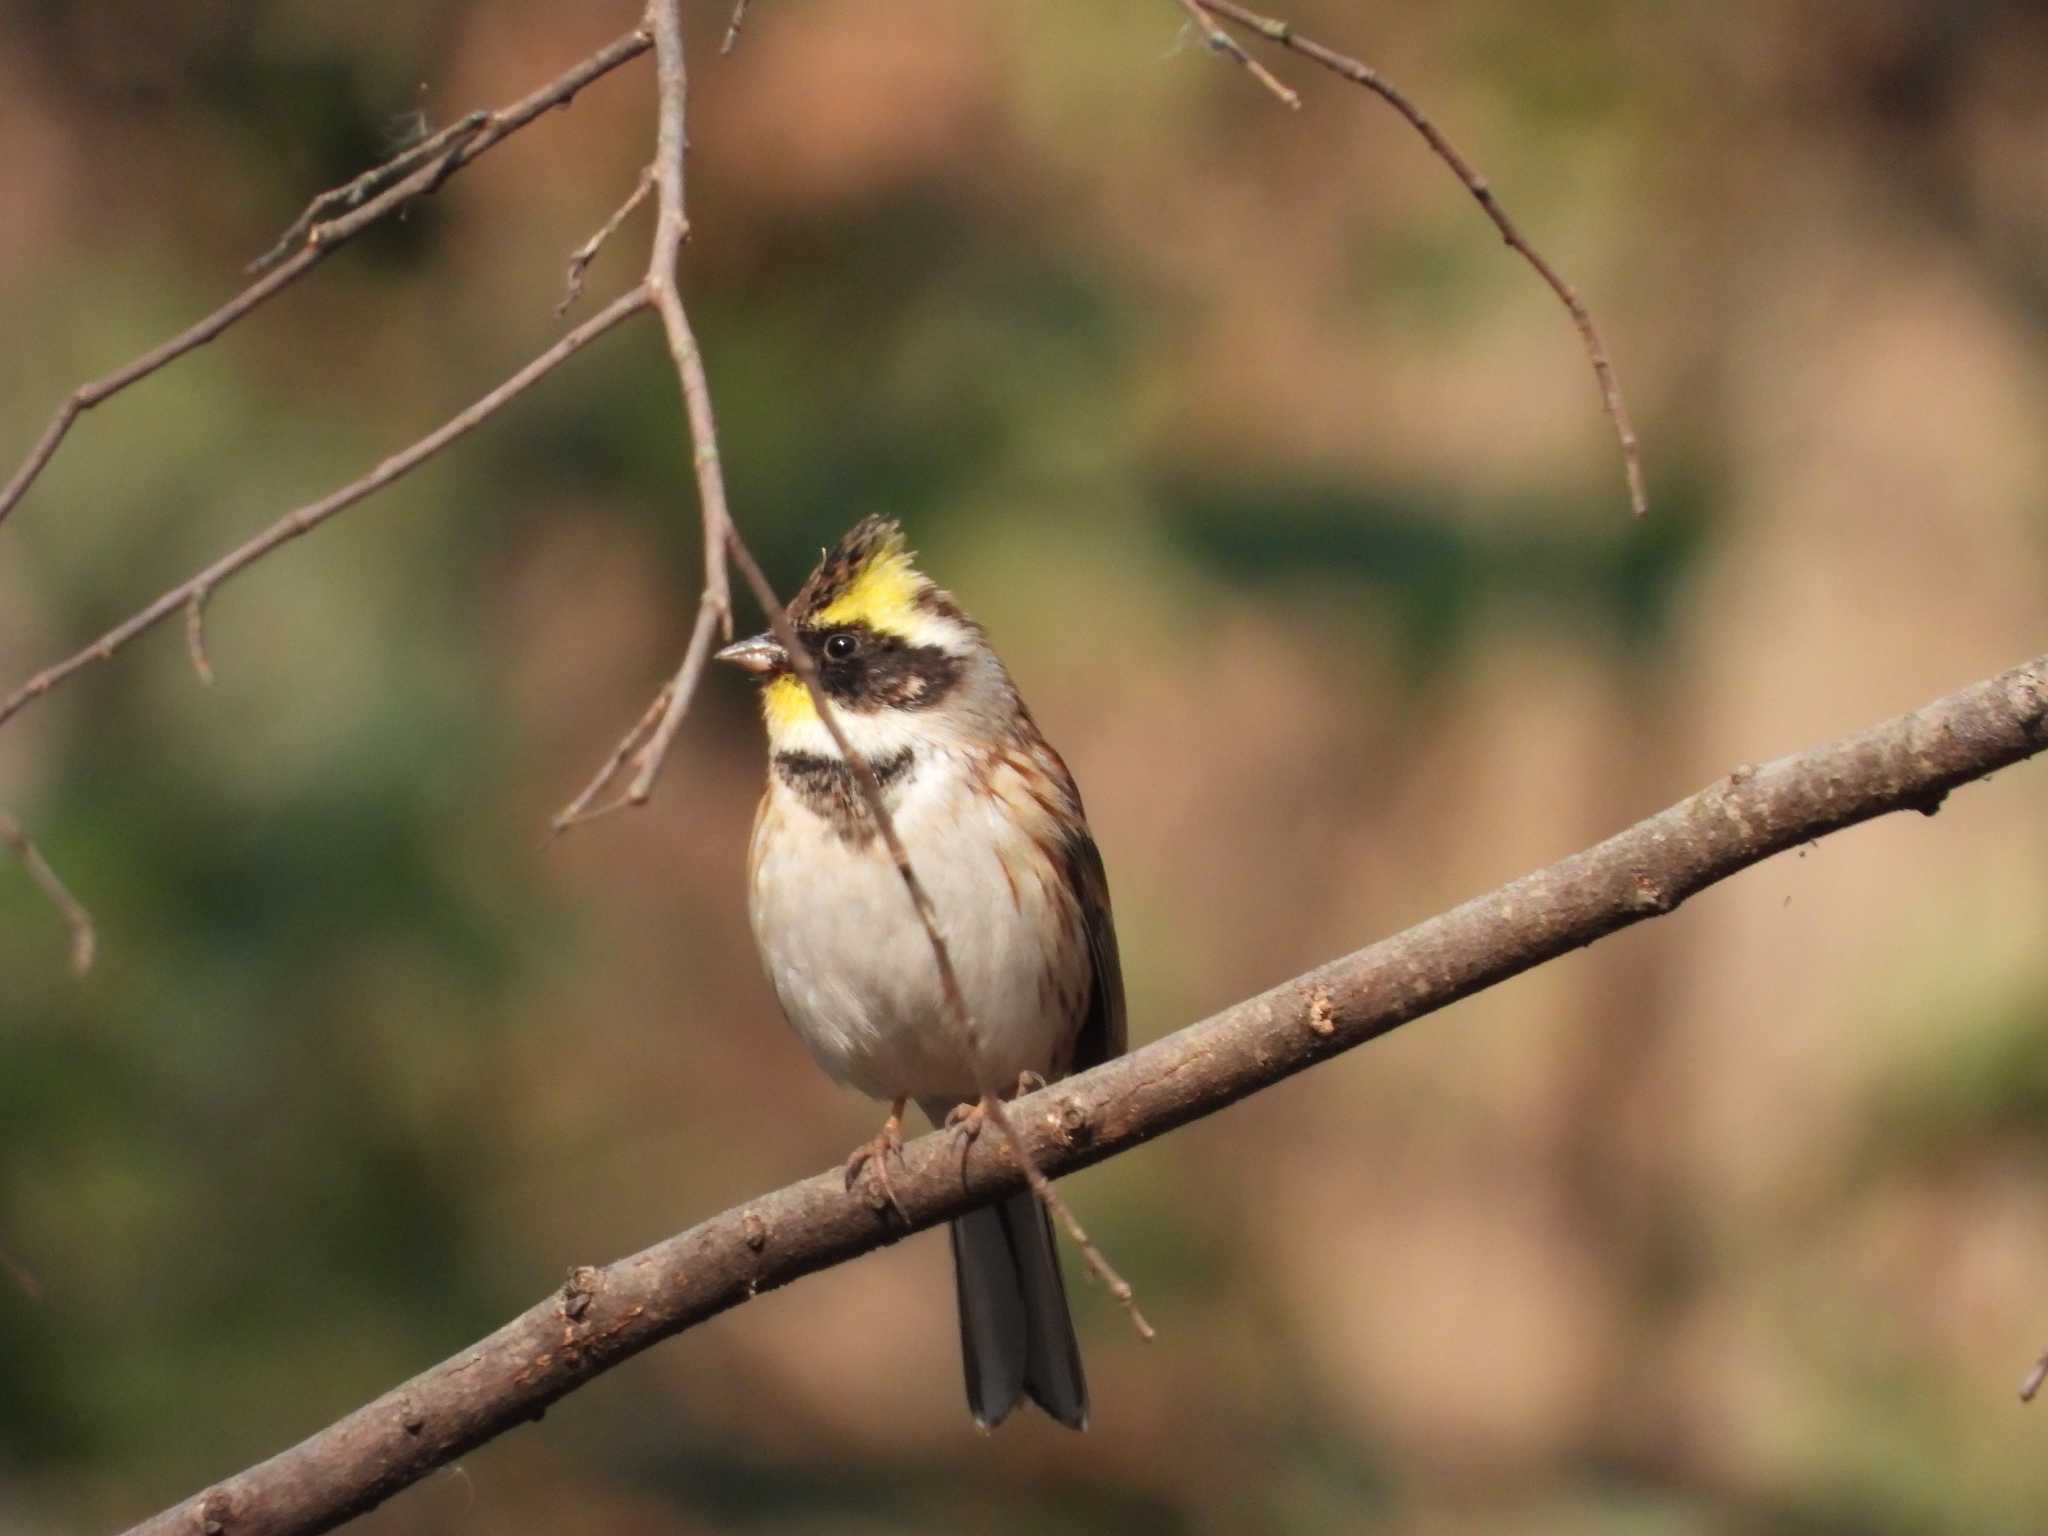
874	1156
964	1120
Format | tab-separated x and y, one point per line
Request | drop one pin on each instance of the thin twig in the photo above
1277	31
578	811
354	194
732	28
84	939
306	518
422	176
671	229
195	635
584	254
459	143
1220	41
2031	1387
509	1378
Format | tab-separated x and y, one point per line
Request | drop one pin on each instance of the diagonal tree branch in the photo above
1283	33
602	1316
397	182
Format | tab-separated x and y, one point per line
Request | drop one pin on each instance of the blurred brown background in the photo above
1286	494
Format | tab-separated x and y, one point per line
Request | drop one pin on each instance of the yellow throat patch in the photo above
787	704
881	595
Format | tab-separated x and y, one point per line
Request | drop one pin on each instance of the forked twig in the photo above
84	939
1277	31
578	811
671	229
424	167
353	194
1220	41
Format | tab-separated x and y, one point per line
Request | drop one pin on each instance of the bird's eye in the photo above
840	647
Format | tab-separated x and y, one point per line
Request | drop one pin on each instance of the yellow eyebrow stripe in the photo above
883	596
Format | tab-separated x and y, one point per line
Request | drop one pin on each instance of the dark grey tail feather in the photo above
1016	1337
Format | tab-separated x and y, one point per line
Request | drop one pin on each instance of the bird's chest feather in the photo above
850	961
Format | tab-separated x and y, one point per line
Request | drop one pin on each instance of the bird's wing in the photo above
1102	1033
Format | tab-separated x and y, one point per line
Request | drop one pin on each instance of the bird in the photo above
993	826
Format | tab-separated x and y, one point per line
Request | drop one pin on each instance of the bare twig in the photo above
1220	41
732	28
507	1379
671	229
426	166
584	254
306	518
84	941
578	811
649	745
195	635
2031	1387
1277	31
459	143
354	194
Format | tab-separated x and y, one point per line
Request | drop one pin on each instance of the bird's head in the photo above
893	652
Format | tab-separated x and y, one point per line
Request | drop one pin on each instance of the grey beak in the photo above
759	655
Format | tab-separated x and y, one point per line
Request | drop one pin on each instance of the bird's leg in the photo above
875	1154
964	1120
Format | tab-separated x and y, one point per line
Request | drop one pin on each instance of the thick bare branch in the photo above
1357	73
192	594
84	941
605	1315
416	171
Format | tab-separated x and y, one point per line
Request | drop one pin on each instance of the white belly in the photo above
854	970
